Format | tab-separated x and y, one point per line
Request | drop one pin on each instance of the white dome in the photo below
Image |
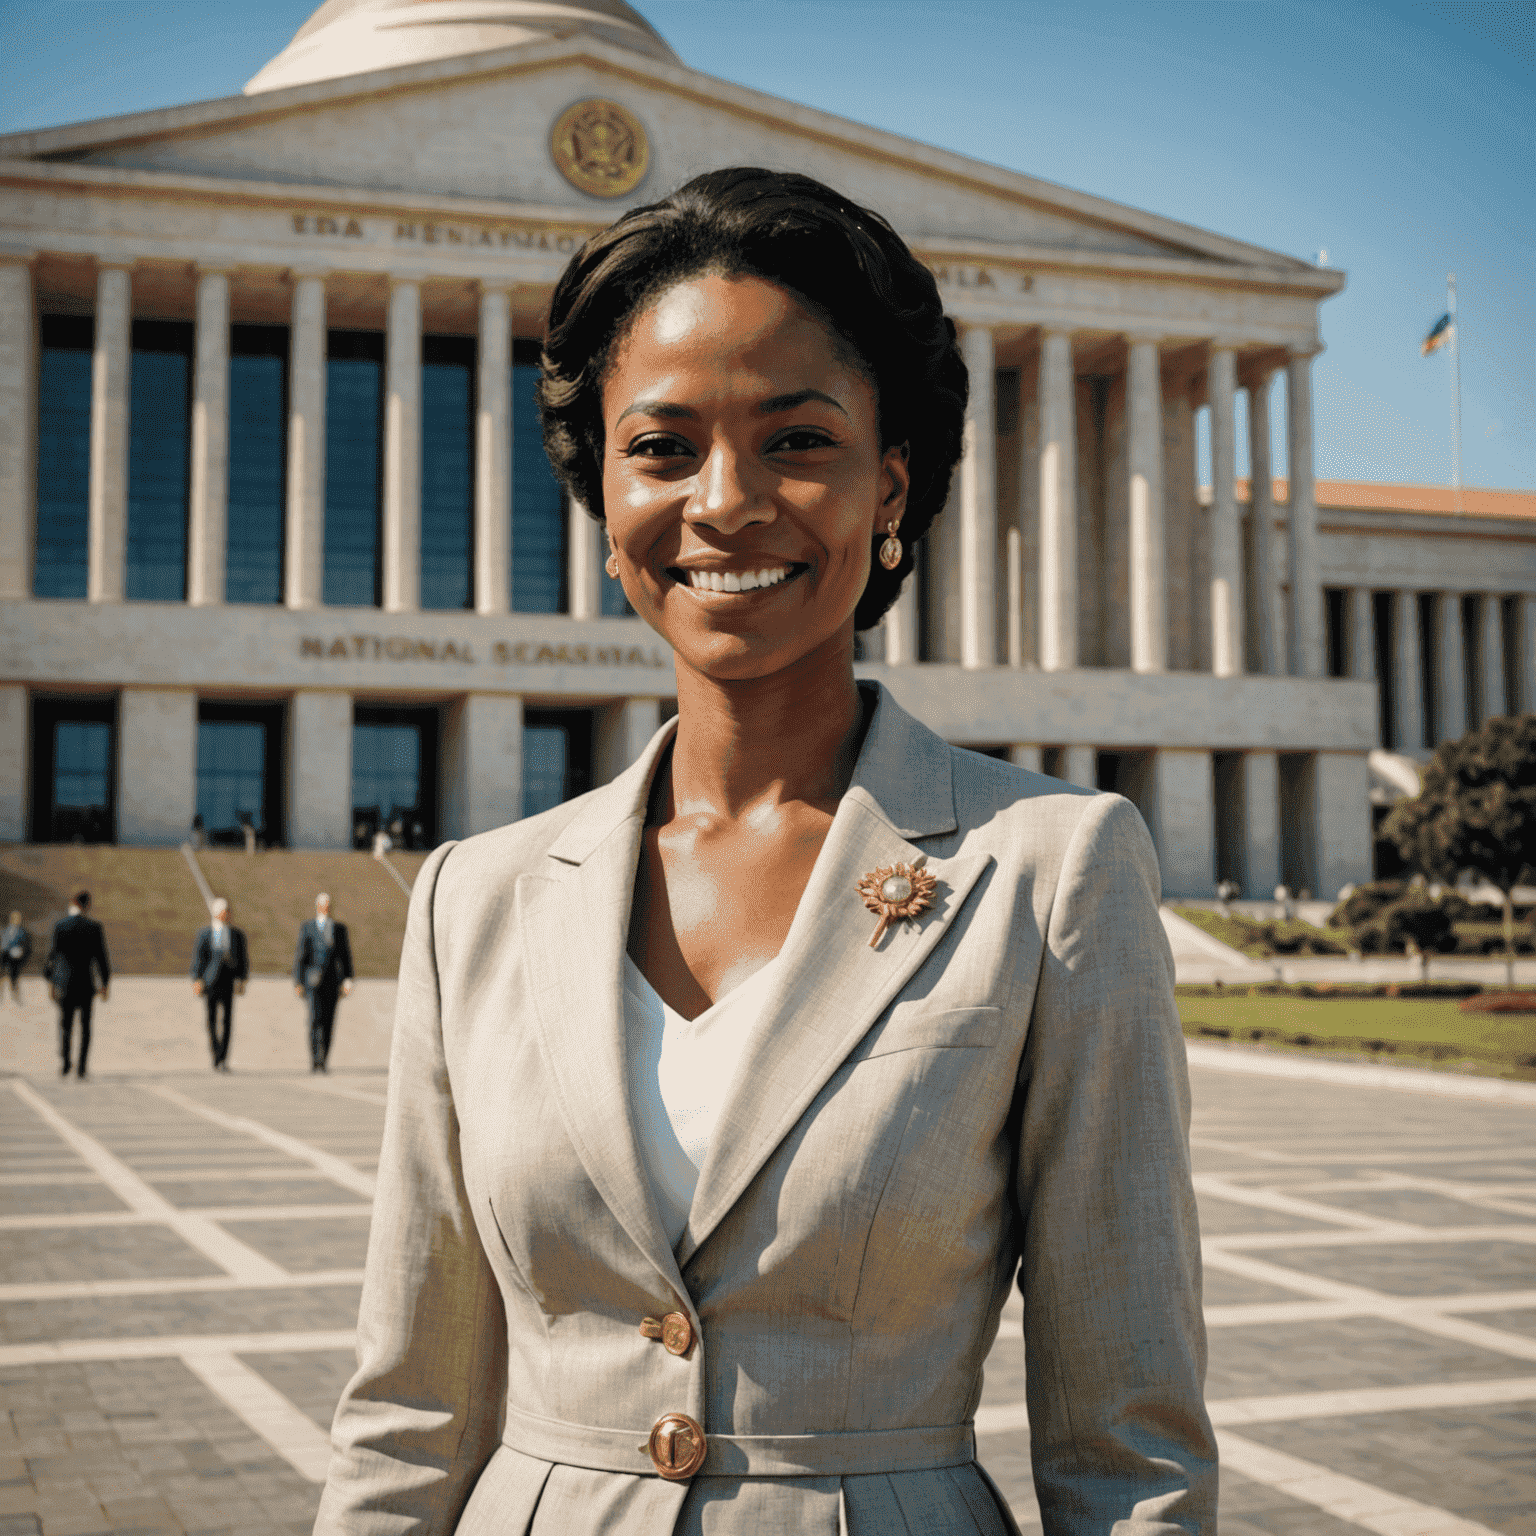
354	37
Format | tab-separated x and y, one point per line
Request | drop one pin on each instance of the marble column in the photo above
1058	504
1362	634
1226	531
304	567
402	448
1491	657
587	548
482	763
319	770
978	504
1306	618
1262	512
493	456
1341	786
1261	824
1025	755
18	428
1149	564
156	765
621	732
207	513
901	625
1184	820
1080	766
1407	674
14	710
111	370
1451	675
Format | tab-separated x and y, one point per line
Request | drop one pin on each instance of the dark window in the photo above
1230	785
447	472
1516	703
557	757
1298	826
258	410
159	444
394	776
62	562
239	771
354	382
1472	659
538	507
1386	668
74	750
1335	631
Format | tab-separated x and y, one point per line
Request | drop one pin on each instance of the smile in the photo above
736	581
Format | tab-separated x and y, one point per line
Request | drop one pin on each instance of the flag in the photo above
1439	333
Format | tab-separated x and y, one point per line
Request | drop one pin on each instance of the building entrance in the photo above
394	776
239	773
557	757
74	769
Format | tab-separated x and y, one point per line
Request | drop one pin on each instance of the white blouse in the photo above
679	1071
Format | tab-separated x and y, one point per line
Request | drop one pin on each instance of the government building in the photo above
280	548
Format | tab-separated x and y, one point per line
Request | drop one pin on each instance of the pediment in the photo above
479	127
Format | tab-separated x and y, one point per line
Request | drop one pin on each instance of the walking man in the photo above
322	972
77	961
220	965
15	951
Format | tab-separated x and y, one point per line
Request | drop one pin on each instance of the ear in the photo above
896	481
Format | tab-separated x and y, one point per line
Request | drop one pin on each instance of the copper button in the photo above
677	1446
674	1331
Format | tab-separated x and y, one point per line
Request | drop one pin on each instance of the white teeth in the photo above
736	581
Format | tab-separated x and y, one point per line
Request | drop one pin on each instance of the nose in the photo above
728	495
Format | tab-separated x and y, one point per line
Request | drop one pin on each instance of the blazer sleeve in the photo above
1113	1329
424	1412
344	951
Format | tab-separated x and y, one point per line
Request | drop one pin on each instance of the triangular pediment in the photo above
479	127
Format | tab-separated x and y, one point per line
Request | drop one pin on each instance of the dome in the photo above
354	37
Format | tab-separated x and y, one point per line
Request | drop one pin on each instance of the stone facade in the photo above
1082	607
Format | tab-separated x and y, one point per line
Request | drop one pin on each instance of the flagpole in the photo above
1450	305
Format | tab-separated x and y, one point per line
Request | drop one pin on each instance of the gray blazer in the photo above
997	1092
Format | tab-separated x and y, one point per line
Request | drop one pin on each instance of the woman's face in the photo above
743	477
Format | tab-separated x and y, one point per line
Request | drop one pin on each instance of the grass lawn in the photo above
1410	1029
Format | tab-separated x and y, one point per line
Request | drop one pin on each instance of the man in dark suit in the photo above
220	965
322	972
77	960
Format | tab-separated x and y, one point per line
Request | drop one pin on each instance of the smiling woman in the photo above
729	1101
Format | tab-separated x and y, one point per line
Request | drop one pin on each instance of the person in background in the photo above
220	966
78	972
15	951
322	973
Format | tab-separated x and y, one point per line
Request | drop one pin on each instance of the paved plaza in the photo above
182	1255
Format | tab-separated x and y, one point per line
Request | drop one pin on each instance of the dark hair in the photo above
81	899
845	263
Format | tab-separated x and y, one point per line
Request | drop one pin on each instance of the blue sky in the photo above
1400	138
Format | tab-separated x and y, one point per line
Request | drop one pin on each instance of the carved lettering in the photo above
354	230
311	647
520	653
405	231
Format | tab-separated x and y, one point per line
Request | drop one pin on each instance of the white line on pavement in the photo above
229	1253
1258	1313
1523	1233
33	1222
1345	1498
61	1351
1494	1152
1227	1058
339	1091
289	1431
95	1290
333	1167
1289	1205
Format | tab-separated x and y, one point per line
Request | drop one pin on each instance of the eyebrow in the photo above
770	407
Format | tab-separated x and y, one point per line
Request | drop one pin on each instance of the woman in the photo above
727	1101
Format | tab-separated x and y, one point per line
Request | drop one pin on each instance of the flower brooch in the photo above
897	891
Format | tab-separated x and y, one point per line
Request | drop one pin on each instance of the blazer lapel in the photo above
832	986
575	925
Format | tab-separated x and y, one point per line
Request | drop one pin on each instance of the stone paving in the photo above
182	1254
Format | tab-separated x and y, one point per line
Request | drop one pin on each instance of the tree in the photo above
1476	812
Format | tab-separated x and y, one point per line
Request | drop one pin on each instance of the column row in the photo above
982	577
1444	662
216	459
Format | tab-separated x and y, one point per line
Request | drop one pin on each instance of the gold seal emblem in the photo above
600	147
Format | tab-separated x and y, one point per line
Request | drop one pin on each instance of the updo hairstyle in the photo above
843	262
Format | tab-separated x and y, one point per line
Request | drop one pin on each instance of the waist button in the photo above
677	1446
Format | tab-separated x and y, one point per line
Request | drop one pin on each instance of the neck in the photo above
792	736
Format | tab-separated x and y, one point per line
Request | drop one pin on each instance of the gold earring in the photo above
611	565
890	550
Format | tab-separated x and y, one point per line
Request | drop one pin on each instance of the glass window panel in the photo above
82	764
447	472
545	748
253	570
159	428
62	561
386	770
538	507
353	418
231	774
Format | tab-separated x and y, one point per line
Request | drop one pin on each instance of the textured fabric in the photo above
679	1072
996	1093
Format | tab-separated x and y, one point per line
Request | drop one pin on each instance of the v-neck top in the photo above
679	1072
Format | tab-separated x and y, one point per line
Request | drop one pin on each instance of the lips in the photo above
735	581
